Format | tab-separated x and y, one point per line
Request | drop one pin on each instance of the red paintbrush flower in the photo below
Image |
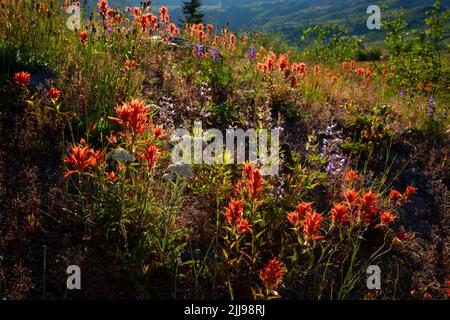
345	66
151	155
173	30
293	217
361	71
254	184
102	6
134	116
112	176
368	207
395	194
130	65
252	180
53	93
352	175
409	192
158	132
334	80
83	37
401	234
386	218
80	157
22	78
299	213
311	226
272	274
164	14
283	61
339	213
234	210
351	196
243	225
303	208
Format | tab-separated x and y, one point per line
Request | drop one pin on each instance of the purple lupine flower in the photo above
431	107
331	151
252	53
214	54
199	50
402	93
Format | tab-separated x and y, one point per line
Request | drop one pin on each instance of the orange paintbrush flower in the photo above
53	93
339	213
272	274
22	78
409	192
351	196
80	157
173	30
151	155
130	65
395	194
234	210
83	37
112	176
243	225
386	218
134	116
311	226
352	175
164	14
368	207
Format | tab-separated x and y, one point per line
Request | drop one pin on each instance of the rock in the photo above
41	77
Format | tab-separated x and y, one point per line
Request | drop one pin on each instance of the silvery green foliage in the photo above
182	169
120	154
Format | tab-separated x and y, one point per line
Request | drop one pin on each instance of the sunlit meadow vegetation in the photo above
87	177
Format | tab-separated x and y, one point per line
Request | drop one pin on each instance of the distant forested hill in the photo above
291	17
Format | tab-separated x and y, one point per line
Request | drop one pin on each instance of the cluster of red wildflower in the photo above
22	78
357	208
233	214
360	208
198	32
292	72
53	93
147	22
130	65
272	274
251	182
134	116
203	34
304	216
83	37
268	62
428	86
151	155
136	119
81	157
409	192
164	14
250	186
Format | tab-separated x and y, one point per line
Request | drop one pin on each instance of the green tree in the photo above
191	10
